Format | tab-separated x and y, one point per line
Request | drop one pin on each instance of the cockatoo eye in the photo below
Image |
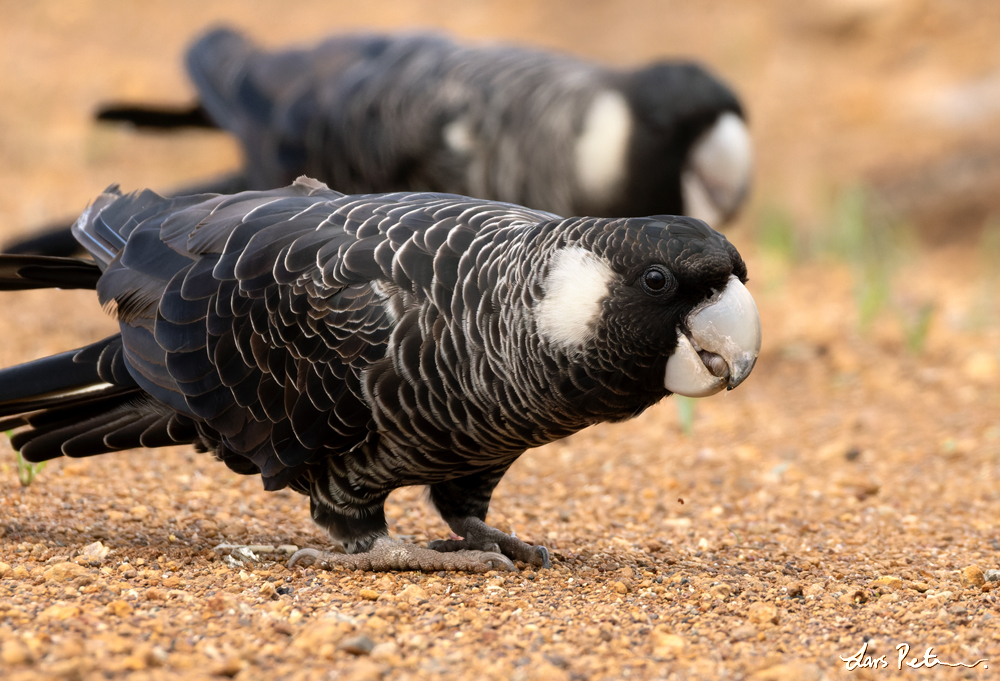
656	280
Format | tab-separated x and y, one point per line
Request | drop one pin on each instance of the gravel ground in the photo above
846	493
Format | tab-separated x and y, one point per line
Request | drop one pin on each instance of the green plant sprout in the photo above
874	245
984	309
778	246
685	413
776	234
28	471
916	328
866	250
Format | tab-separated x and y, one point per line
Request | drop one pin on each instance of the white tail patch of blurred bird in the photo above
602	148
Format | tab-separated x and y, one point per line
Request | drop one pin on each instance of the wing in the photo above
277	103
372	113
258	314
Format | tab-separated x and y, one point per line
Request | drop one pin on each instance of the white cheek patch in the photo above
576	284
458	136
602	148
697	202
717	174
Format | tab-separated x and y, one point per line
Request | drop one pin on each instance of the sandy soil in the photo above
846	493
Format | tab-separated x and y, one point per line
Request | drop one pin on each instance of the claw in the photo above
499	562
544	554
301	554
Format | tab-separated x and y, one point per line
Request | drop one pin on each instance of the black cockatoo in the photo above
377	113
345	346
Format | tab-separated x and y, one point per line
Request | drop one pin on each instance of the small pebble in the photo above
120	608
357	645
763	613
96	551
920	587
887	581
721	591
982	367
15	652
665	644
857	596
230	667
814	590
363	670
386	651
244	554
368	594
621	587
232	528
326	630
972	576
989	575
157	656
67	669
283	628
64	572
268	590
60	612
413	593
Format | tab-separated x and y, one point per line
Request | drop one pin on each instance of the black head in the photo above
666	266
673	105
622	296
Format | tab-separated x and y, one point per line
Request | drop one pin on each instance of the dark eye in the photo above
656	280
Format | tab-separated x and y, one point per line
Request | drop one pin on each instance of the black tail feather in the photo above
22	272
58	415
52	240
46	381
69	378
156	117
77	433
65	403
61	406
110	424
